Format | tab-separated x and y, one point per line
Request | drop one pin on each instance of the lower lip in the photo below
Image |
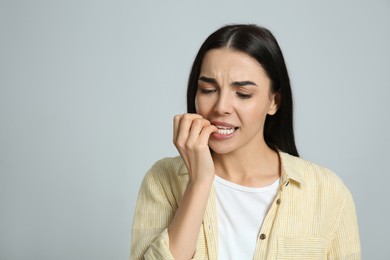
218	136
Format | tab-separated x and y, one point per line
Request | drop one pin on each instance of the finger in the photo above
184	128
184	156
195	130
180	127
176	122
205	134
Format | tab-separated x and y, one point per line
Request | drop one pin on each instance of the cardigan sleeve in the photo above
346	243
153	214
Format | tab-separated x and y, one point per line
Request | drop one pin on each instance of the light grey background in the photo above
88	90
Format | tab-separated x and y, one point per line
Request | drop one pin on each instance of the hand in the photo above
191	135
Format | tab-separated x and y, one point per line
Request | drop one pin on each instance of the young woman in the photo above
238	190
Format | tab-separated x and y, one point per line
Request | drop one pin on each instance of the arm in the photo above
184	229
153	213
191	135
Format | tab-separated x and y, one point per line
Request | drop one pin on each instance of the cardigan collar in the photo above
289	168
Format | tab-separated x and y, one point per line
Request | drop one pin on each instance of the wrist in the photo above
204	183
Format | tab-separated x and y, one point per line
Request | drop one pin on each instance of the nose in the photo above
224	105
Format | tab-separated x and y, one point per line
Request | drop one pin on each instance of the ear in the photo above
275	102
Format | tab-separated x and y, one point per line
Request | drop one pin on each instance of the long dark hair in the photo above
259	43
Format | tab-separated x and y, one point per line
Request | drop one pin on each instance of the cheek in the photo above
201	106
256	111
196	104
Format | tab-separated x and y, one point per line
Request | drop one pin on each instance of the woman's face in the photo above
234	94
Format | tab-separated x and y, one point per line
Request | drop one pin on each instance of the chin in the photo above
220	149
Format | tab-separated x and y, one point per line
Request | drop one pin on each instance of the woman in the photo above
238	190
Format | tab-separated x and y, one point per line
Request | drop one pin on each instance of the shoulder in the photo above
166	179
315	177
168	165
166	170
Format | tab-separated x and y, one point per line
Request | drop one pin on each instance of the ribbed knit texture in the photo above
312	217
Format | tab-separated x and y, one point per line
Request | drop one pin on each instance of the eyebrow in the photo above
235	83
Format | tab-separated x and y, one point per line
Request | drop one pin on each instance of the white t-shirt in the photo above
241	211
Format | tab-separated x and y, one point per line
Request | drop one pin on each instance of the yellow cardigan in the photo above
312	216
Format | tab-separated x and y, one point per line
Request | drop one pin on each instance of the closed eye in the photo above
243	96
207	91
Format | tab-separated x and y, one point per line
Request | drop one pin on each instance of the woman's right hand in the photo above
191	135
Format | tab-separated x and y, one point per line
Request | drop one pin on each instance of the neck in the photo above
254	167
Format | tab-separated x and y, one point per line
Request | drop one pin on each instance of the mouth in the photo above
224	129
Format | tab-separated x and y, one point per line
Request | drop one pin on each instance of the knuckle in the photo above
180	148
179	144
197	149
198	121
189	116
176	119
189	145
186	116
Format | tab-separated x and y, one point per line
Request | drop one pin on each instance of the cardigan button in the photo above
263	236
278	201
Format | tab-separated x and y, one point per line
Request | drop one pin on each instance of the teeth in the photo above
223	127
225	131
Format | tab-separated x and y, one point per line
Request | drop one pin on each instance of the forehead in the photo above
225	62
